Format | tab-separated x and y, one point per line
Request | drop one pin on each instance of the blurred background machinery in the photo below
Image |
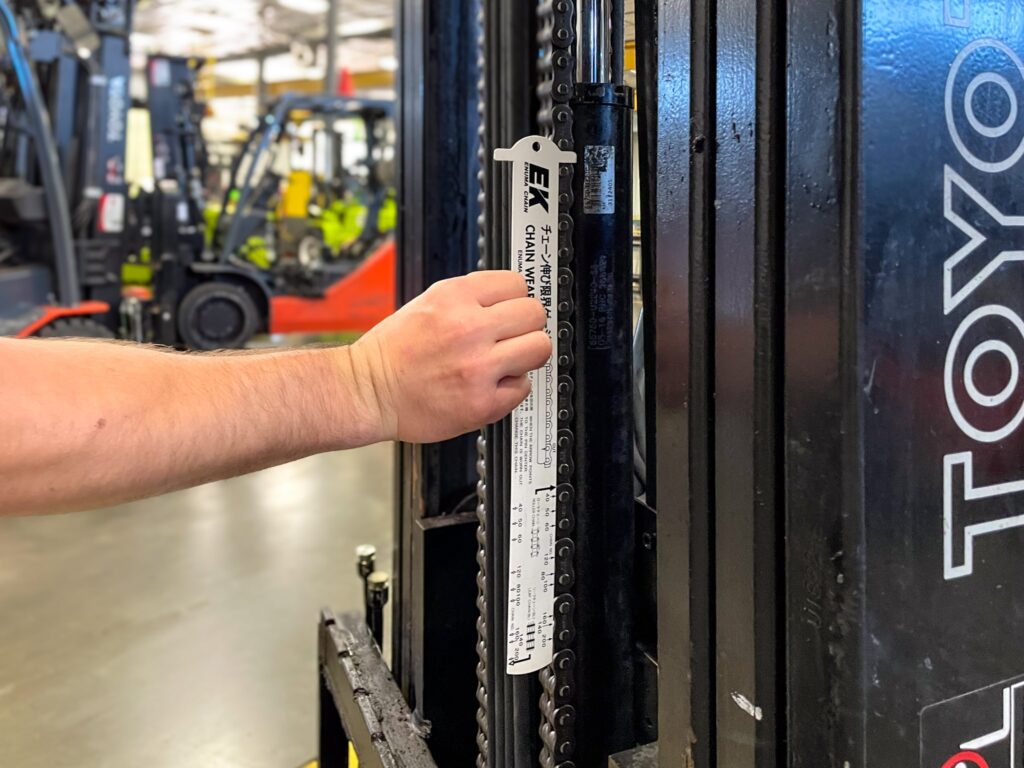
300	240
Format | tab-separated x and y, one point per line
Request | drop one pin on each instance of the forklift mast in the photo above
93	91
822	566
176	113
72	77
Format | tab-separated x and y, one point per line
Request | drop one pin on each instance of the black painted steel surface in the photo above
433	625
940	399
851	266
665	74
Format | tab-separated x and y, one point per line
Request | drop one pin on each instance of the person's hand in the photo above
455	358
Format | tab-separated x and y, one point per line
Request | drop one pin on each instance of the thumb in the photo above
511	391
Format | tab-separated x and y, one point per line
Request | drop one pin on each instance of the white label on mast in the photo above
531	567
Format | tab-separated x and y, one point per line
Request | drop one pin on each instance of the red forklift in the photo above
261	270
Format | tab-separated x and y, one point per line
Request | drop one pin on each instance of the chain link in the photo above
556	33
556	73
482	733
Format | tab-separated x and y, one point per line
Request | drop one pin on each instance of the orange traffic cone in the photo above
346	85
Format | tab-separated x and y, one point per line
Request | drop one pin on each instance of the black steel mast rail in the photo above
433	632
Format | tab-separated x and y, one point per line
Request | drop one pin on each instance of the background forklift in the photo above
62	191
68	226
276	257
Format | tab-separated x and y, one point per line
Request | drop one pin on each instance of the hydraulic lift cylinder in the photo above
602	242
595	42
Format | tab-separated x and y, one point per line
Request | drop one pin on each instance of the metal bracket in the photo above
360	702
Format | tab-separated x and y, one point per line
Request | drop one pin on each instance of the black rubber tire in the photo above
217	316
75	328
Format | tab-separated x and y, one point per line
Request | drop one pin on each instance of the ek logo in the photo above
539	185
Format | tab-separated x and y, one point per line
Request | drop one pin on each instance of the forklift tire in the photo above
217	316
75	328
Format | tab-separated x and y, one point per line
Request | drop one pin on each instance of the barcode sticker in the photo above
599	179
530	632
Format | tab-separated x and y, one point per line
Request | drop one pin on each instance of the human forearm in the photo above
88	424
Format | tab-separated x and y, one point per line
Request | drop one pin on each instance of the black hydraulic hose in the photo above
91	193
69	291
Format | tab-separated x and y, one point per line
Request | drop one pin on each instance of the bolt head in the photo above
377	582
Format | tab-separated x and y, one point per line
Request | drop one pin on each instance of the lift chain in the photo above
481	604
556	31
556	35
482	733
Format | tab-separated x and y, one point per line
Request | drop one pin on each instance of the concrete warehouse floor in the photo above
181	631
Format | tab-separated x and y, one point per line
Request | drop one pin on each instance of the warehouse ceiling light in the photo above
304	6
201	21
366	27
